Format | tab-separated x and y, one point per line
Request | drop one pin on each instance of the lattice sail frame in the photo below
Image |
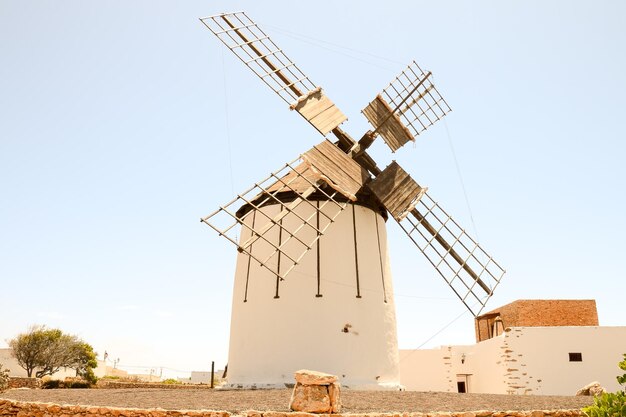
259	53
259	40
324	170
409	105
474	293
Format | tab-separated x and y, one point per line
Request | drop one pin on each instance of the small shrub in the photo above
90	377
607	405
78	384
131	378
112	377
4	378
621	379
171	381
51	384
610	404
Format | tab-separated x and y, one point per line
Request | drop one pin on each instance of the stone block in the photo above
593	388
307	377
317	399
310	398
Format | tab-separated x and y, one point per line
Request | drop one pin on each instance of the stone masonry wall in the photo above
108	384
18	382
9	408
539	313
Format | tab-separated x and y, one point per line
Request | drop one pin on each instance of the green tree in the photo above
85	361
621	379
4	378
610	404
44	351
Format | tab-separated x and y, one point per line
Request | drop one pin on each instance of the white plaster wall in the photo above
271	338
522	361
542	354
484	364
439	369
9	362
425	369
202	377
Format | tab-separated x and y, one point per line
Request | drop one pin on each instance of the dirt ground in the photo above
278	400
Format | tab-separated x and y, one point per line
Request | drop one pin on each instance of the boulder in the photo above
315	392
310	399
307	377
334	390
593	388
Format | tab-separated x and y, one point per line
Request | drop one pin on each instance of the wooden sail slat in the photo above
396	190
319	110
390	127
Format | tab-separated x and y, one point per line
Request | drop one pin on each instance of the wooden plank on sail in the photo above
396	190
389	125
319	110
336	168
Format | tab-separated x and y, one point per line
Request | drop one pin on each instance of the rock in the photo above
310	398
274	414
307	377
593	388
315	392
334	391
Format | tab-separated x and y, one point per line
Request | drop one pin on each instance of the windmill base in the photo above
334	313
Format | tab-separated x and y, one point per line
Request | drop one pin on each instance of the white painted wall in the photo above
10	363
522	361
545	360
271	338
426	369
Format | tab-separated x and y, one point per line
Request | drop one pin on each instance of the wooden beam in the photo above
429	227
269	63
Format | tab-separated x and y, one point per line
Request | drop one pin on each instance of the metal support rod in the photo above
212	374
277	218
280	75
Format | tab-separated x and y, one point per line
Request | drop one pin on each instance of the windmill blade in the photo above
282	216
472	274
259	53
409	105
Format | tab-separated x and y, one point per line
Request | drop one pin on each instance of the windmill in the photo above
312	283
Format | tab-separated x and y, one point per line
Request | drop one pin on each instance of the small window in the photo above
575	357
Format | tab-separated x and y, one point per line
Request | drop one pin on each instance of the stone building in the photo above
545	347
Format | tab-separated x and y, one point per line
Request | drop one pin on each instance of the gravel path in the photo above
278	400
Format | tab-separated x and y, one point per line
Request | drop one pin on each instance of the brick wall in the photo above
538	313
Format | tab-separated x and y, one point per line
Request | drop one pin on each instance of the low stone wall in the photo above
113	384
9	408
33	409
18	382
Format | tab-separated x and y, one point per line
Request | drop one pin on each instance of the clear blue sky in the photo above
116	120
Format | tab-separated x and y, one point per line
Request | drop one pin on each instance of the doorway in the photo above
462	383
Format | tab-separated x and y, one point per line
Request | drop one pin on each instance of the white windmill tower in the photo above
321	220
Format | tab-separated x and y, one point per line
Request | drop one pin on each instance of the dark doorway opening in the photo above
460	385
